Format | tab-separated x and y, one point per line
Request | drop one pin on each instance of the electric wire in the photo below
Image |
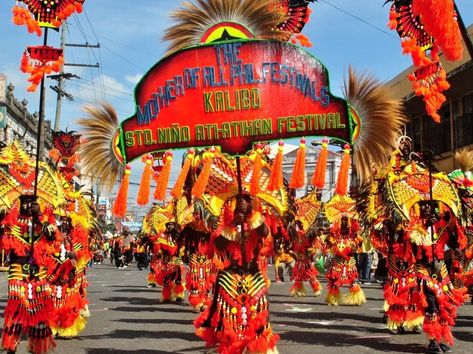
102	79
361	20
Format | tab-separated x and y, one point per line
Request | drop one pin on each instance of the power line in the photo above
361	20
111	88
87	87
100	53
128	47
124	59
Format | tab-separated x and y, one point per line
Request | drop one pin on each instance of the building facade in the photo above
455	129
312	154
17	123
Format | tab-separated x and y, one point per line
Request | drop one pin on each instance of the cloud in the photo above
133	79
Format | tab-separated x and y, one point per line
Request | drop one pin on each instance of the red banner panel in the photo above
231	95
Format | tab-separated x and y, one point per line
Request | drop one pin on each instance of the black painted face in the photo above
170	226
405	146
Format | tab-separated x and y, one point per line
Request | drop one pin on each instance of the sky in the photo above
343	33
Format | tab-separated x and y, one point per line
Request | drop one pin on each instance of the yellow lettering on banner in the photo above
229	101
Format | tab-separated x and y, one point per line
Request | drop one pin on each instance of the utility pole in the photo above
60	83
59	89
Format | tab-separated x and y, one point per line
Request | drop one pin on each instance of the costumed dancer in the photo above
30	238
304	270
424	208
343	241
154	262
237	319
62	279
467	275
403	309
67	278
430	232
342	245
201	271
463	180
304	247
170	272
282	258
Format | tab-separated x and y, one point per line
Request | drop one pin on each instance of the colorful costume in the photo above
201	271
403	308
304	269
237	320
342	244
30	306
68	280
170	272
422	209
282	258
30	237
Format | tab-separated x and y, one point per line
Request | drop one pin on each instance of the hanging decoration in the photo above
176	192
430	81
39	13
276	176
426	27
143	193
162	179
120	204
202	181
257	166
294	16
298	172
344	172
39	61
318	179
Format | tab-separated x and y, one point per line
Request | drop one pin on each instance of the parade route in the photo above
126	317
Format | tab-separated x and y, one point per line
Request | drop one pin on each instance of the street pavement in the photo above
126	317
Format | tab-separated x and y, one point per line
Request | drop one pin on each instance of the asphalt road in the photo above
128	318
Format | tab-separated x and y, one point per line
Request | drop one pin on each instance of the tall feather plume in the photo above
98	158
382	119
194	19
464	159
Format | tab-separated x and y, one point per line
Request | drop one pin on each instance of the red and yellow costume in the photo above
69	282
30	236
282	257
440	297
403	308
170	272
30	306
201	271
237	319
420	210
304	270
342	243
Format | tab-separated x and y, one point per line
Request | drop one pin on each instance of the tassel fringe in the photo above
120	205
143	193
342	180
176	192
298	173
318	179
163	179
276	178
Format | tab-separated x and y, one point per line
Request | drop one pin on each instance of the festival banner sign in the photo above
230	95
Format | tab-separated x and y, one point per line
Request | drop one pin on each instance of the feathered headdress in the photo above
99	160
381	118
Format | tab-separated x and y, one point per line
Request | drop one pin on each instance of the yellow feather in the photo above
194	19
98	158
382	119
464	158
